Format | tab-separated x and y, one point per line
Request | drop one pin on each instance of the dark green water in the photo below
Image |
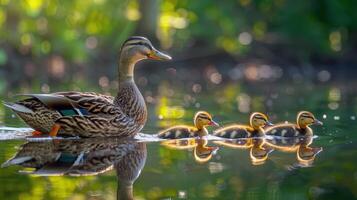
230	173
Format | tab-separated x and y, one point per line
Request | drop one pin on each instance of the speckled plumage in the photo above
200	120
235	131
287	130
303	120
105	118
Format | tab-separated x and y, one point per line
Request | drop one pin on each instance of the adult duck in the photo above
86	114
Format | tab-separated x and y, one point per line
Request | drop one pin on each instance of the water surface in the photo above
185	173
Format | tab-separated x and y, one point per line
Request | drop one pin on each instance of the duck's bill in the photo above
157	55
213	123
318	122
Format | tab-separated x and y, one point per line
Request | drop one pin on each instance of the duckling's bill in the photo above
318	122
213	123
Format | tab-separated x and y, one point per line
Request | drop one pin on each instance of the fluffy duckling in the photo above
201	120
301	128
255	129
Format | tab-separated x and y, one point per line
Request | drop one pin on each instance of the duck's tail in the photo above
16	161
17	107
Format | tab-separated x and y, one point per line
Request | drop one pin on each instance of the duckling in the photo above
201	120
255	129
87	114
301	128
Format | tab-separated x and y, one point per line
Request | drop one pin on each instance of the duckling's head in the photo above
203	119
259	120
137	48
305	119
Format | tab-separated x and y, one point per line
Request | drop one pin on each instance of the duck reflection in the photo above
201	151
81	157
305	154
258	149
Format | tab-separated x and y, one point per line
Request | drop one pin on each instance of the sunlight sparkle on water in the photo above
336	118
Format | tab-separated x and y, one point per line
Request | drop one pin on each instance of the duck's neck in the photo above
126	69
125	190
129	98
201	130
306	130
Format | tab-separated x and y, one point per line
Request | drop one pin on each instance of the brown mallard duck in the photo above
88	114
201	120
255	129
301	128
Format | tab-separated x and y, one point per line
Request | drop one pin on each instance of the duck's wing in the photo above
78	113
71	103
283	130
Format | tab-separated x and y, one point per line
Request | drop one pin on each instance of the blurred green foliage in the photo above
77	29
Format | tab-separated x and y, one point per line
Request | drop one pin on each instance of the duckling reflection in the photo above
201	151
305	154
82	157
201	120
258	150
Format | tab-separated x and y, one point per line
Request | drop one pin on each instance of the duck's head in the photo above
138	48
305	119
259	120
203	119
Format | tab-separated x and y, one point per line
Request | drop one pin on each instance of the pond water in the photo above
199	169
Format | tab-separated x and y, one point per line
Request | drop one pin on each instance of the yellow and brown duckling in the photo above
301	128
87	114
201	120
256	128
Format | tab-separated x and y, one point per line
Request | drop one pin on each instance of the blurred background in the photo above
50	41
230	58
241	54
